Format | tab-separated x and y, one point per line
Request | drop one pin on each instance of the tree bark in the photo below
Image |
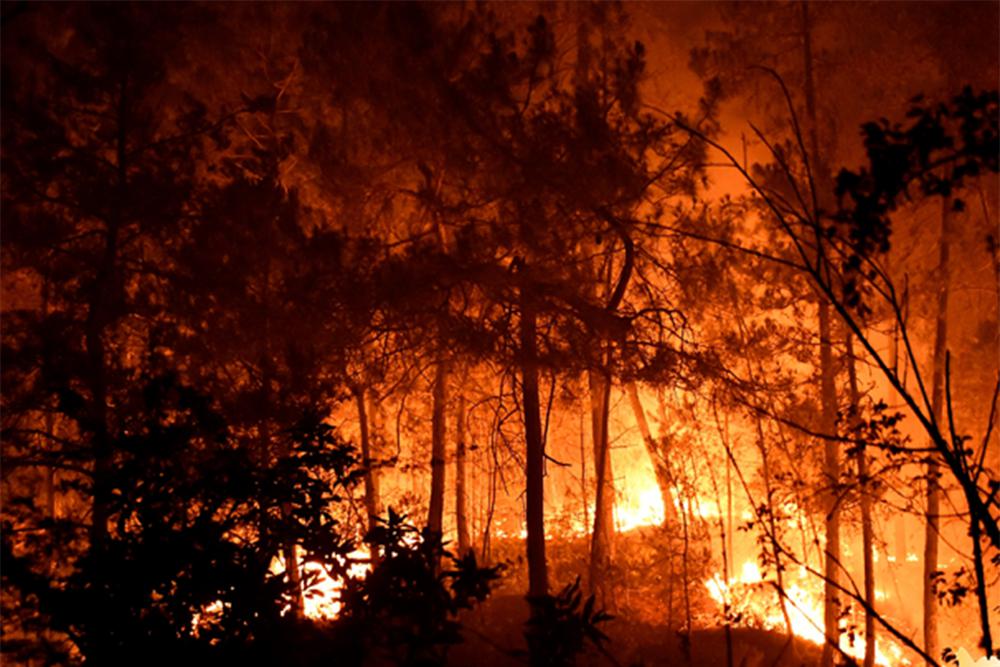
461	515
603	534
932	520
828	390
899	543
831	569
866	518
435	514
538	583
372	500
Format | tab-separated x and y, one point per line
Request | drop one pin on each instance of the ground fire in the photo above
488	333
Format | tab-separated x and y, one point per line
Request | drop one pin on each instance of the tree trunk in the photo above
867	537
866	518
49	429
372	500
975	532
685	576
461	515
828	390
538	581
99	317
932	519
584	496
899	543
96	324
602	539
832	471
289	552
435	514
656	457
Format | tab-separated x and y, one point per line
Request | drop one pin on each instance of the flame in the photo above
644	508
321	593
804	606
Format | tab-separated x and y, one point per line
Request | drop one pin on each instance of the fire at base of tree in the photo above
500	334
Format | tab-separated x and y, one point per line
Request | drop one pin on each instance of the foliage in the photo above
187	571
406	609
938	149
560	628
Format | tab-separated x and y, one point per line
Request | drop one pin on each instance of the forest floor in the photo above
494	638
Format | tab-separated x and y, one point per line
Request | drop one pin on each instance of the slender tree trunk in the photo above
289	551
685	576
828	391
99	308
724	542
603	534
729	504
461	516
491	504
867	538
933	522
372	500
975	532
583	478
866	518
49	428
656	457
97	322
670	590
831	567
435	514
899	543
538	580
51	480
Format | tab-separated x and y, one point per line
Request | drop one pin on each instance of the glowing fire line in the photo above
805	613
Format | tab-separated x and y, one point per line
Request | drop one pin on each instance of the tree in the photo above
184	586
757	53
941	148
114	174
103	173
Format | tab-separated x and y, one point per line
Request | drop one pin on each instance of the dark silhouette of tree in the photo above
406	609
196	527
96	174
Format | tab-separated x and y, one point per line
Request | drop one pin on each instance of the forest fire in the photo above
745	597
441	334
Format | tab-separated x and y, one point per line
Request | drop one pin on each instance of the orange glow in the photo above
321	595
641	507
756	593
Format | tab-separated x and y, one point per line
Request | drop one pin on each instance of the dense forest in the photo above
500	333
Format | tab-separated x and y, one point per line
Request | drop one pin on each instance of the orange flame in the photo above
804	606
